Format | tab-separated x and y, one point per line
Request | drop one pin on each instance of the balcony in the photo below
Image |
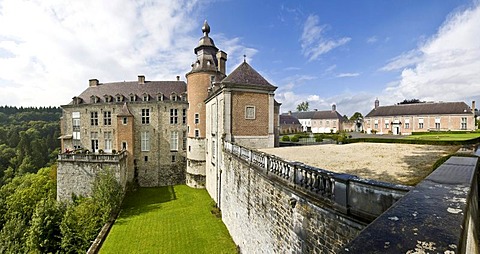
92	157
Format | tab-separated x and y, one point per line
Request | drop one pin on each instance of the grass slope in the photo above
445	136
173	219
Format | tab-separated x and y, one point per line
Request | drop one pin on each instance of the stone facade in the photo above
150	127
278	220
76	172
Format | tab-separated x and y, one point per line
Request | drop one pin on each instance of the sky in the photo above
346	53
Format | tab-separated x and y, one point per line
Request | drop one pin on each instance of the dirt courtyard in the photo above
394	163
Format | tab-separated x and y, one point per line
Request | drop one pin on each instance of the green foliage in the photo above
285	138
107	193
303	106
44	234
80	225
28	139
294	139
356	116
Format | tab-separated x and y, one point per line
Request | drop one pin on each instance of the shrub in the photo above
286	138
294	138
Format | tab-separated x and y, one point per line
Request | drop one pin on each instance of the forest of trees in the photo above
28	140
31	219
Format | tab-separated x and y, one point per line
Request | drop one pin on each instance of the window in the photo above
119	98
197	133
327	123
173	116
184	116
250	112
184	140
146	158
133	97
124	145
174	141
94	118
146	97
94	139
387	123
376	124
213	149
107	118
174	158
197	118
108	140
145	116
76	130
420	123
407	123
463	124
124	121
145	141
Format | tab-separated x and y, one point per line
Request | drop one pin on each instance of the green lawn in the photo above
174	219
445	136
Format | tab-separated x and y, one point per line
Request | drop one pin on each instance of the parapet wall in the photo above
76	172
273	206
439	216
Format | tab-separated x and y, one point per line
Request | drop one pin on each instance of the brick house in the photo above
403	119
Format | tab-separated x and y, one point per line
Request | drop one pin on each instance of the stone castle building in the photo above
165	132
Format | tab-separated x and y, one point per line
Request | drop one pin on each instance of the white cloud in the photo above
49	49
313	43
372	39
446	67
348	75
235	50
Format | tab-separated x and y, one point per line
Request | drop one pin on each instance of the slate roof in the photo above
244	74
429	108
288	119
152	88
326	114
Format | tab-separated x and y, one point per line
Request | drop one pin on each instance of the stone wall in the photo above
264	216
440	215
76	173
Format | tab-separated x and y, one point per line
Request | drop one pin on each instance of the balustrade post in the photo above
266	164
340	192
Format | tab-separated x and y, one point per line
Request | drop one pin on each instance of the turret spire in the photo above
205	28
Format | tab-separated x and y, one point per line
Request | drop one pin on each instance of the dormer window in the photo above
77	100
145	97
183	97
173	97
160	97
94	99
107	98
133	97
119	98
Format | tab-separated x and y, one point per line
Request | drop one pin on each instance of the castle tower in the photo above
206	70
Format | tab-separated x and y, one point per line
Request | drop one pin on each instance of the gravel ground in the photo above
394	163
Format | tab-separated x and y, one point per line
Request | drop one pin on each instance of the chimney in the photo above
222	59
315	109
141	79
377	103
334	107
93	82
289	112
473	107
178	78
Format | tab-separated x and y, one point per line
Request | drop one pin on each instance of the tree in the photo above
412	101
44	235
107	193
356	116
303	106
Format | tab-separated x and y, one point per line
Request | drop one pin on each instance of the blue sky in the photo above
324	52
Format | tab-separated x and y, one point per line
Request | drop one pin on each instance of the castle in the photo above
161	133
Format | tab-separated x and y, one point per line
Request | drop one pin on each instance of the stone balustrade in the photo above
348	194
92	157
